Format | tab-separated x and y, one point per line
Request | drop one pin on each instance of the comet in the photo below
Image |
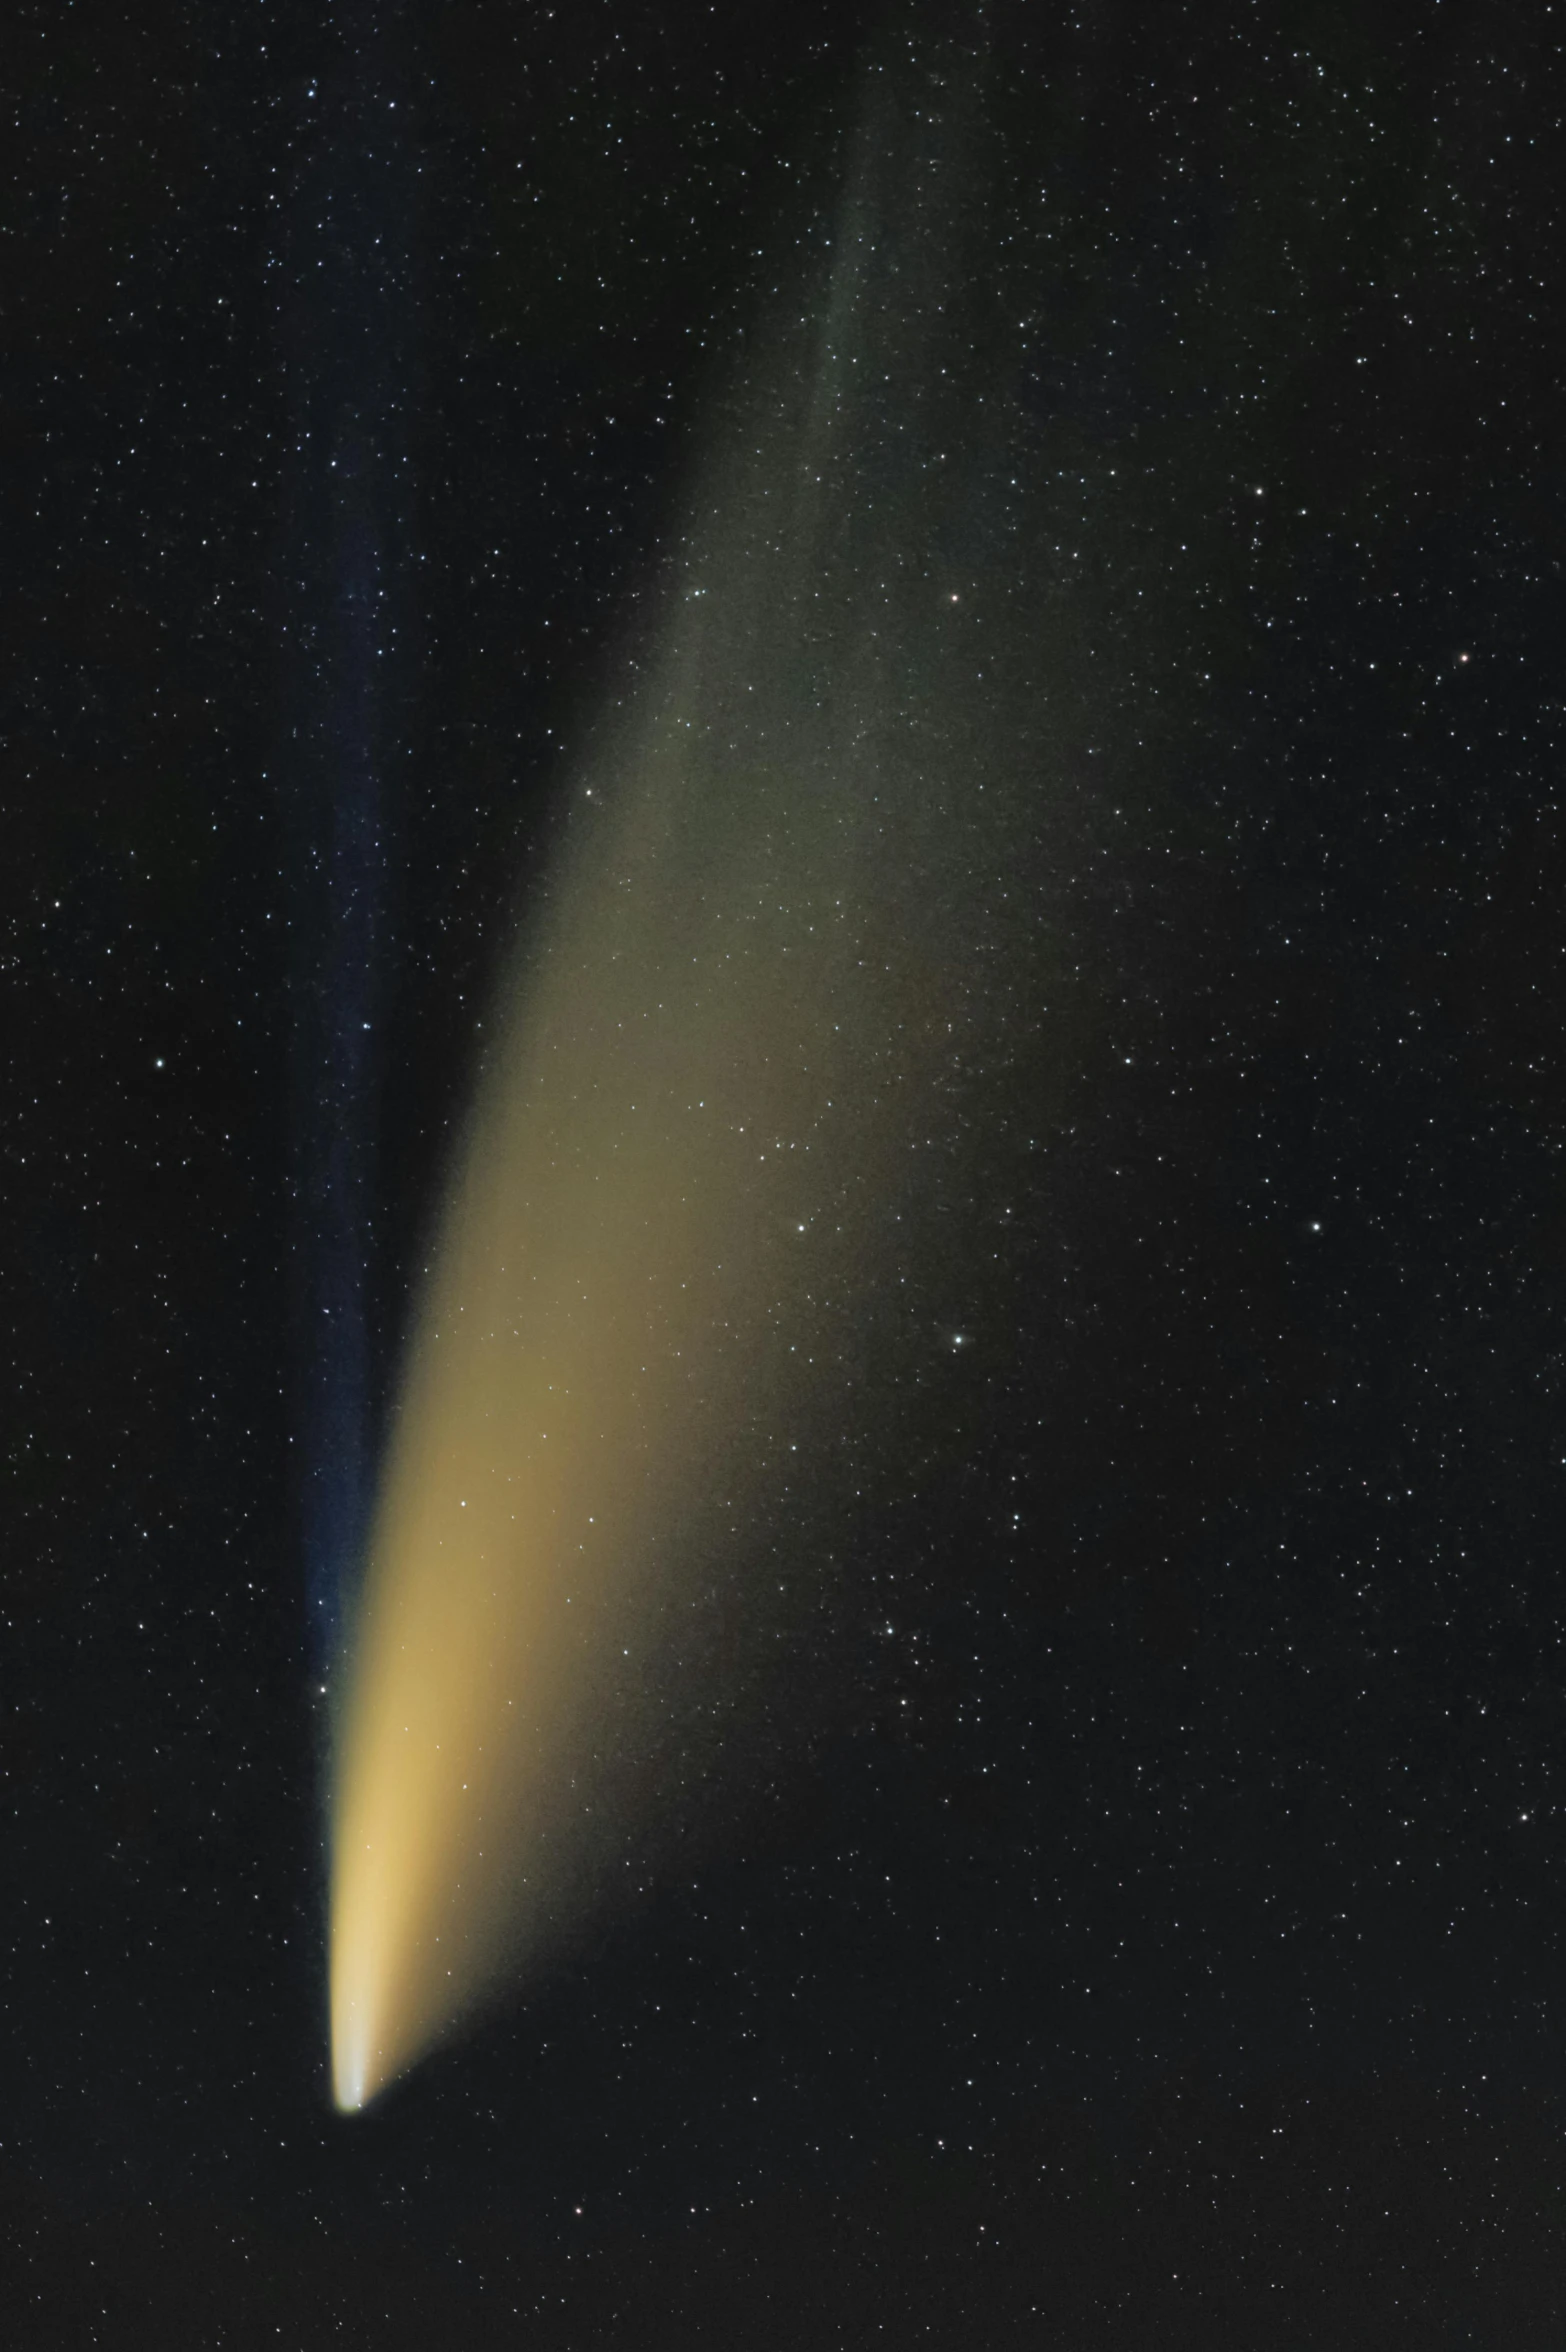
669	1321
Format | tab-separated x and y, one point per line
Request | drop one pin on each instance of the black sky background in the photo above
1162	1944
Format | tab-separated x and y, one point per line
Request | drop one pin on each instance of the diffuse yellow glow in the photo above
691	1167
594	1347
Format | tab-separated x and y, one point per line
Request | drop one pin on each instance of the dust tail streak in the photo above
672	1312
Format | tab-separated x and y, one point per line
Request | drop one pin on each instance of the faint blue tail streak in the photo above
346	267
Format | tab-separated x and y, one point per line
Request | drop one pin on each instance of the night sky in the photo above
1140	1925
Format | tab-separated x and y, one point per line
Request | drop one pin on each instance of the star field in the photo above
1140	1924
